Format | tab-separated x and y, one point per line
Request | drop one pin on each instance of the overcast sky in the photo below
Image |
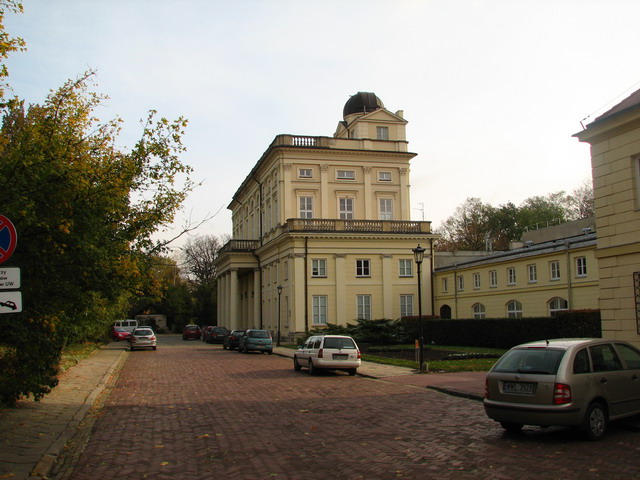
492	89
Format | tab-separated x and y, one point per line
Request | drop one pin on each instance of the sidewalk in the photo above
35	434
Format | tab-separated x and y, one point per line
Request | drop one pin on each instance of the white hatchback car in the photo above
142	337
328	352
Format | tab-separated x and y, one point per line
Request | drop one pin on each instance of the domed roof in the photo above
361	102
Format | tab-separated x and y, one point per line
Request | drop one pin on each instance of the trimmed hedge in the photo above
504	332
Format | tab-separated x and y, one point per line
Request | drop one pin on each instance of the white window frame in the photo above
557	304
384	176
319	267
493	278
363	267
405	267
305	173
382	133
386	208
363	307
581	267
406	305
445	285
511	275
554	270
532	273
514	309
476	281
305	207
346	208
319	307
460	283
479	311
345	174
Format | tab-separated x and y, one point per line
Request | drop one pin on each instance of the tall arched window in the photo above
478	311
445	312
556	305
514	309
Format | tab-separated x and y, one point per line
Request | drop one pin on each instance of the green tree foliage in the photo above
85	213
8	44
479	226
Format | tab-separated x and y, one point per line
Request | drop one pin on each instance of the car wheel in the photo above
224	347
155	348
595	421
131	349
312	369
296	365
511	427
352	371
269	352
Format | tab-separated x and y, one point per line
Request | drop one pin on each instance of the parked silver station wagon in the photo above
328	352
566	382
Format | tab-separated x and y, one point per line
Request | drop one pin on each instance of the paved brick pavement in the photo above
194	411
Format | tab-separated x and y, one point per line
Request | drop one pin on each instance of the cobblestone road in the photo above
194	411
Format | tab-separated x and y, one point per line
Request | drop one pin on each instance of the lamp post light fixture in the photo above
418	255
279	287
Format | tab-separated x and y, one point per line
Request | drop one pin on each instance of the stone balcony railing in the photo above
339	143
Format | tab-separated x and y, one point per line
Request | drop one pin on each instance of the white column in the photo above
234	299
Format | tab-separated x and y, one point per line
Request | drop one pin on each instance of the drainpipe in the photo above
432	262
569	284
306	285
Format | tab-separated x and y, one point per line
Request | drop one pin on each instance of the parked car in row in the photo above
328	352
254	340
205	331
216	335
568	382
120	333
142	337
232	340
191	332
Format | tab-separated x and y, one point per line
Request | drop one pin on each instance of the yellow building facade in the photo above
322	231
615	160
535	279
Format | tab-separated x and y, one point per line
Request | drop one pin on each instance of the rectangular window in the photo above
319	267
382	133
532	272
406	305
364	307
319	310
493	279
581	266
346	175
554	269
384	176
306	207
305	173
363	268
460	283
511	276
445	285
476	281
406	268
386	209
346	208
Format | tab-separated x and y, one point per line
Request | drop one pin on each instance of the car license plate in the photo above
340	356
519	387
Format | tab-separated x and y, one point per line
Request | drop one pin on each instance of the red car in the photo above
120	333
191	332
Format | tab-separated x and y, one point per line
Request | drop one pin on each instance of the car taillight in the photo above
320	353
561	394
359	356
153	337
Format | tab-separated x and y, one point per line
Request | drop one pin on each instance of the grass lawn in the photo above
72	354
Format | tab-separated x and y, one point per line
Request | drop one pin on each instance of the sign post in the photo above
10	296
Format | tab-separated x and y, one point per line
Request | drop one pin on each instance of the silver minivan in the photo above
328	352
566	382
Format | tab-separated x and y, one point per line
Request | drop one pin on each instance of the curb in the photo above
48	461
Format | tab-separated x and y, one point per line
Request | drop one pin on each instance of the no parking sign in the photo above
8	238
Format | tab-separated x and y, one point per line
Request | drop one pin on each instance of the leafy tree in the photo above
85	213
8	44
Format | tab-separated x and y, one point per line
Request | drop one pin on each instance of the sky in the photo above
493	90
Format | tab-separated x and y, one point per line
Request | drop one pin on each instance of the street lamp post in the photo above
280	287
418	255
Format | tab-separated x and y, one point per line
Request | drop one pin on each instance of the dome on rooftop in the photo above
361	102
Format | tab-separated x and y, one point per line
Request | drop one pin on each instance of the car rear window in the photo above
530	360
346	343
143	332
259	334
